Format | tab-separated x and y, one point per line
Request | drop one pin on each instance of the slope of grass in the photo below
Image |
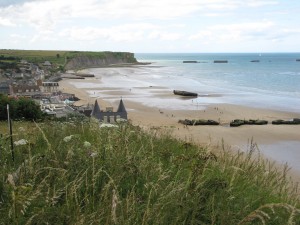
77	173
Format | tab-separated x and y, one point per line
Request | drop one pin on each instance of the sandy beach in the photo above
278	142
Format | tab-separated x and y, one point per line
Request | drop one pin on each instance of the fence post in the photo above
10	134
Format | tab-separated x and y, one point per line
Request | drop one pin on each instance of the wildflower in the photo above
114	207
21	129
21	142
68	138
87	144
121	120
93	154
107	125
11	180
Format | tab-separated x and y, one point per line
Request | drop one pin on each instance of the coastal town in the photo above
37	81
40	82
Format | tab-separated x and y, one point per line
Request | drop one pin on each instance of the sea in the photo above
259	80
262	80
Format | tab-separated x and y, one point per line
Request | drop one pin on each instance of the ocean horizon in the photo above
263	80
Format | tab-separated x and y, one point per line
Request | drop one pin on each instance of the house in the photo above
49	87
4	88
109	116
23	61
47	64
24	90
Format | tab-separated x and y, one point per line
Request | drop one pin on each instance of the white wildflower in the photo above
114	207
11	180
93	154
21	142
68	138
121	120
107	125
87	144
21	129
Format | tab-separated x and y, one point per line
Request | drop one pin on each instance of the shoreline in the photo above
153	117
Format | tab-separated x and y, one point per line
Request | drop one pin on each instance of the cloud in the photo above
259	3
49	11
118	33
6	22
125	32
235	32
46	35
49	15
155	22
164	36
18	36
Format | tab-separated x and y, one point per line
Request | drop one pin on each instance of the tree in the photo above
28	109
20	108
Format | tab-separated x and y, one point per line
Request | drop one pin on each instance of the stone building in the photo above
24	90
109	116
49	87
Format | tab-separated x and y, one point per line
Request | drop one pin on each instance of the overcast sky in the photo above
151	25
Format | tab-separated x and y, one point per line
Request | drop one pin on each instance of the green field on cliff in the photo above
75	172
55	57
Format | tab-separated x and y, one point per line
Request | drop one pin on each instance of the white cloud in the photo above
48	12
117	33
6	22
126	32
259	3
164	36
46	36
150	23
235	32
18	36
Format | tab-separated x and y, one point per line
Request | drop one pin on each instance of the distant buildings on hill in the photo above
29	80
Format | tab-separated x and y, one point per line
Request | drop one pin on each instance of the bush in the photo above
20	108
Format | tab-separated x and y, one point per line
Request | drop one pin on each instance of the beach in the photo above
154	107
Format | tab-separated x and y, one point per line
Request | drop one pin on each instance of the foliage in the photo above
77	173
59	58
20	108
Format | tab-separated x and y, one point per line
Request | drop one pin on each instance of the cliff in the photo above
78	60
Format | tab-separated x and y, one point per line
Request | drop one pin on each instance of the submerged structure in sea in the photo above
185	93
109	116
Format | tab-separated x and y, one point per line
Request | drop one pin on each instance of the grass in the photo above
37	56
57	57
77	173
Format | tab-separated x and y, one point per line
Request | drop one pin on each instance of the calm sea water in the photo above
272	82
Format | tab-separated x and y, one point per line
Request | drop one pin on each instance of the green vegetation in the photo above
35	56
58	58
77	173
20	108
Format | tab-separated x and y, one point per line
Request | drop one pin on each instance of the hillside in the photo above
68	59
77	173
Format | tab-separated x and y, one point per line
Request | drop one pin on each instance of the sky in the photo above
151	26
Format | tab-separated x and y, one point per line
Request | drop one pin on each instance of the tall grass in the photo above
78	173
